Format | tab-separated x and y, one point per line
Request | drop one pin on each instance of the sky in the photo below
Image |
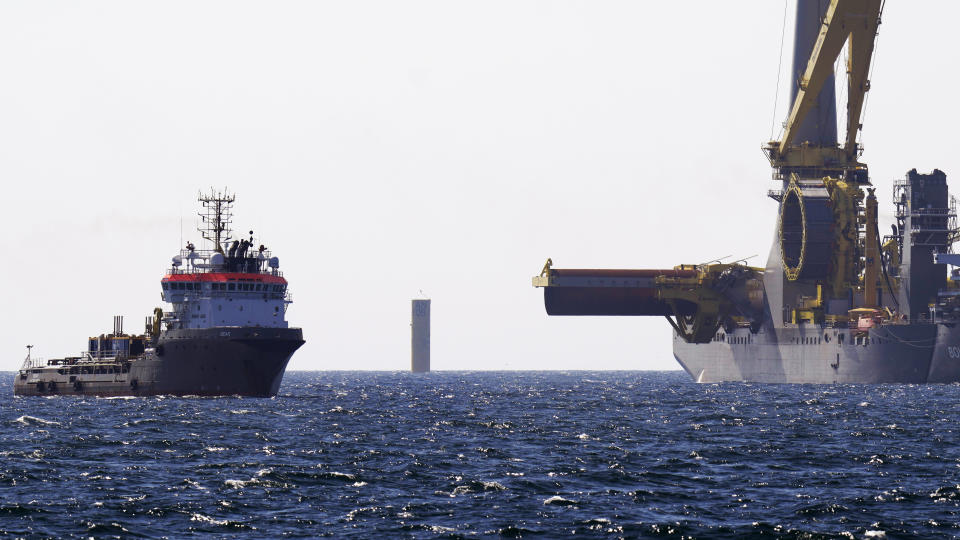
384	148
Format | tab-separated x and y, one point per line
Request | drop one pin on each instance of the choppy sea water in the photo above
514	454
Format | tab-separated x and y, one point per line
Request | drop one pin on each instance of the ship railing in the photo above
201	257
32	363
204	255
103	356
931	212
174	271
84	359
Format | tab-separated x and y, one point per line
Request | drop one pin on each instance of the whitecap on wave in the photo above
34	421
207	519
238	484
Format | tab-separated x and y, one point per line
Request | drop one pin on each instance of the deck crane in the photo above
820	247
832	304
850	22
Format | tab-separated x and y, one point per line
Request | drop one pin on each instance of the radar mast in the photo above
216	216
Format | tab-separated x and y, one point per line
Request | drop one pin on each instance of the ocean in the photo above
487	454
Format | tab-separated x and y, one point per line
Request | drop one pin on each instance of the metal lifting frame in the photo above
853	21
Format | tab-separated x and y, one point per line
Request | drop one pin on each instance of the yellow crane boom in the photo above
852	22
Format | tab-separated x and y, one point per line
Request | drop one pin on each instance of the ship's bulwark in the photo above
890	354
201	362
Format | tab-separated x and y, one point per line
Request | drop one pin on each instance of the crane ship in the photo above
836	302
226	334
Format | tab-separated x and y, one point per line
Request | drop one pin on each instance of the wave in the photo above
639	457
27	420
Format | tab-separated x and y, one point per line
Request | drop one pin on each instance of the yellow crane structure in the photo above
822	213
821	226
847	22
835	302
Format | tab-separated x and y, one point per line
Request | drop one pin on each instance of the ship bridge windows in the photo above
258	287
185	286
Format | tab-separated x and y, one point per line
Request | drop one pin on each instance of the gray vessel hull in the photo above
196	362
909	353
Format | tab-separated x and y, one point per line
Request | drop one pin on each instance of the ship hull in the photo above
188	362
909	353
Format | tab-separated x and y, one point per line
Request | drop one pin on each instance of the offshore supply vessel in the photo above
227	333
836	302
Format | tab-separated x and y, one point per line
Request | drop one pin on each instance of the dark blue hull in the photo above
226	361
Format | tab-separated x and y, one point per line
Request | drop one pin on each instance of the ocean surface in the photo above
501	454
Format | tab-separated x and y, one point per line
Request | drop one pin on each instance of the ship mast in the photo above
216	216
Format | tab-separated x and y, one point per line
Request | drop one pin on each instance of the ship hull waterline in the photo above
226	361
912	354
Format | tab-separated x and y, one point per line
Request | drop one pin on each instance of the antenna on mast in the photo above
216	216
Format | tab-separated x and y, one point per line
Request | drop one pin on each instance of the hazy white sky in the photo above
384	147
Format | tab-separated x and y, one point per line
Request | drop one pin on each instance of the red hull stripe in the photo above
224	277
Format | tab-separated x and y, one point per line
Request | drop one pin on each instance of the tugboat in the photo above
226	334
